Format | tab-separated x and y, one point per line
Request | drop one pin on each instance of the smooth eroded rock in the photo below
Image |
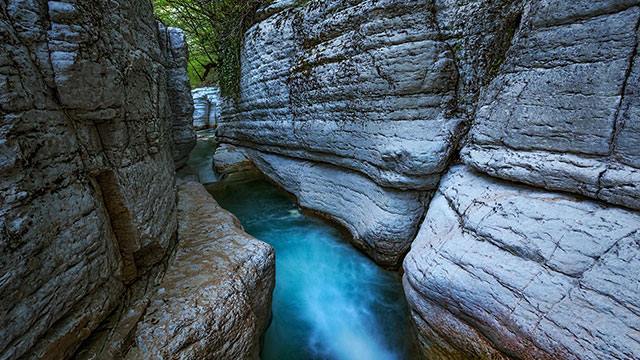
500	270
232	164
215	299
207	111
382	221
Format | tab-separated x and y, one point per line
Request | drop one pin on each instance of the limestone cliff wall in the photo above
526	109
90	95
381	90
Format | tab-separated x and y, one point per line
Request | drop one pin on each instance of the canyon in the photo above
489	151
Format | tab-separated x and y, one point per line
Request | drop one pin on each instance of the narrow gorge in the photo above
320	179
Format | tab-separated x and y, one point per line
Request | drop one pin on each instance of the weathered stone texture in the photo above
500	270
174	46
365	85
215	299
207	107
563	111
232	164
382	221
87	185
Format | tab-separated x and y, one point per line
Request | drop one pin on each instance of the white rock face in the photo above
206	112
362	85
500	270
563	113
382	221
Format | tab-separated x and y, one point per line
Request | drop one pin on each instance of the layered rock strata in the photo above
381	220
563	112
500	270
87	185
207	107
345	101
215	299
174	45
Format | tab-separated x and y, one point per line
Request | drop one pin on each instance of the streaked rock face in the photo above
207	107
379	90
501	270
87	185
563	112
363	85
381	220
215	299
379	95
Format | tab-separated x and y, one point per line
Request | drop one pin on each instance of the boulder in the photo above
214	301
500	270
231	164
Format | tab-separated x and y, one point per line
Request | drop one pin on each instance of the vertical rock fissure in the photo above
122	223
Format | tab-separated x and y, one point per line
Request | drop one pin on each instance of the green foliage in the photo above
215	32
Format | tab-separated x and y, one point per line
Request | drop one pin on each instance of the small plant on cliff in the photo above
215	31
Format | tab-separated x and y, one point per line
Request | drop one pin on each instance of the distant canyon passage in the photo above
489	151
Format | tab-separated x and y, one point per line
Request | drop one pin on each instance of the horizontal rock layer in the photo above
87	185
207	107
563	112
500	270
382	221
365	85
215	299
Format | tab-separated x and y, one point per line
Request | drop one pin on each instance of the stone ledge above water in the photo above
215	299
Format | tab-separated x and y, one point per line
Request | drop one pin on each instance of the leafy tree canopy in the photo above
214	31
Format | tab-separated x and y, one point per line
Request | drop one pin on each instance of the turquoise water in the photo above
201	157
330	301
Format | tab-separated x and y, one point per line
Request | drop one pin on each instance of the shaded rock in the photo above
215	299
179	92
382	221
206	112
231	164
500	270
87	185
563	111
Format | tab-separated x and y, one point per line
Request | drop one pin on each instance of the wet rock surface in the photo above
382	221
500	270
214	301
87	185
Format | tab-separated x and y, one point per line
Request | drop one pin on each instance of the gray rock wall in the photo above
380	90
352	102
381	220
504	270
500	270
207	107
215	300
563	112
87	185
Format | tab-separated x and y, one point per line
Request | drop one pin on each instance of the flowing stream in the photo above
330	300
